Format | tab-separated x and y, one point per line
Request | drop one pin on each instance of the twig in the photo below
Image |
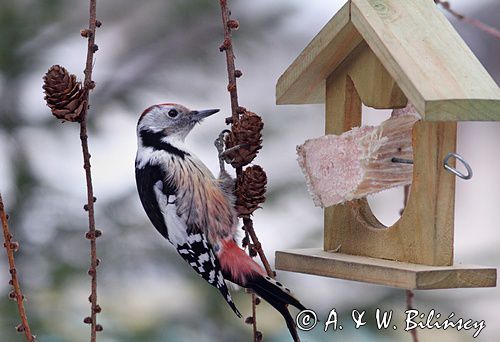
92	234
227	46
474	22
11	247
409	306
248	226
233	73
254	315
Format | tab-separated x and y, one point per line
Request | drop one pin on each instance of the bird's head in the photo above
171	120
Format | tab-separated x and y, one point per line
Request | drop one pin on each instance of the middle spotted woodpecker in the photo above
194	210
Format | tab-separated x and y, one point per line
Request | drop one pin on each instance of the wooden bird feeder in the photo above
384	54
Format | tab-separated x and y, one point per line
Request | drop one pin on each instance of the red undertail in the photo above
236	265
239	268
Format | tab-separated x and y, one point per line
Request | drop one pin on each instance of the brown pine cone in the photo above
63	94
247	131
250	190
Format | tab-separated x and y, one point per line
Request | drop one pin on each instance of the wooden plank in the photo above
384	272
304	80
428	59
462	110
378	90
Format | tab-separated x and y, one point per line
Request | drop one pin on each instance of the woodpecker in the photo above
194	210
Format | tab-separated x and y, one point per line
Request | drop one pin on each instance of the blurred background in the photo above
167	51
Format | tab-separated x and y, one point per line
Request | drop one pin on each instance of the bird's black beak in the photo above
198	115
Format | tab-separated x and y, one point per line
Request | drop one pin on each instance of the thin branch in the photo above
248	226
471	21
92	234
254	315
227	46
409	306
11	247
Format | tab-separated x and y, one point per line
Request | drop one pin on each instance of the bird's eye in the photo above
173	113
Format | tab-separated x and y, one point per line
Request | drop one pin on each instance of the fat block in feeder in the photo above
358	162
387	54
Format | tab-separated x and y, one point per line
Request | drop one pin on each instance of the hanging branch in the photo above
409	306
242	145
232	73
68	101
11	247
248	224
249	122
93	233
474	22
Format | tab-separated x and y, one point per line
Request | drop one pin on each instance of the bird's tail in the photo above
279	297
239	268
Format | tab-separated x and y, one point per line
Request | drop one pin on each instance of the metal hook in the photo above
454	170
445	164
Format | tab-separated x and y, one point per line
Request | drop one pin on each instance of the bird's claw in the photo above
219	142
219	145
225	154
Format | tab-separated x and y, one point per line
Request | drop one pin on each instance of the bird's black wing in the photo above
146	178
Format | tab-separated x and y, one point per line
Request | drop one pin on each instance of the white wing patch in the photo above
177	229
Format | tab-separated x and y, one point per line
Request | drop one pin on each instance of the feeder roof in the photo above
417	45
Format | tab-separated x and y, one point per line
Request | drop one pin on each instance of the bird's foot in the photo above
219	142
225	154
219	145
